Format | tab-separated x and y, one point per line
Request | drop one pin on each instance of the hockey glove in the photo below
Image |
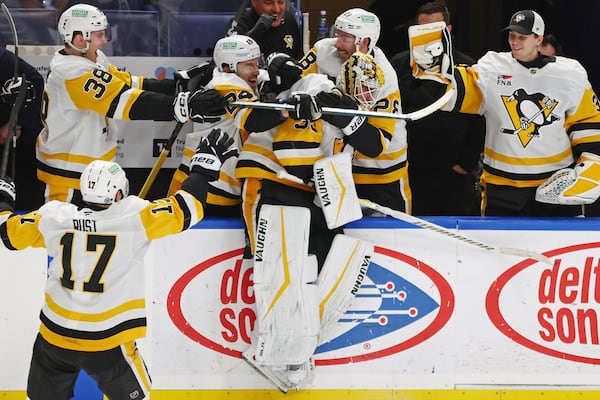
206	106
306	107
573	186
211	153
201	106
347	123
8	194
283	70
11	88
431	52
192	79
262	25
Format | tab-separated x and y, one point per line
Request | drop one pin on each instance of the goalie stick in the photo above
422	113
14	112
160	161
439	229
436	228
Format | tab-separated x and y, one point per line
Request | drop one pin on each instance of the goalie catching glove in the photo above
8	194
431	52
11	88
573	186
335	99
211	153
200	106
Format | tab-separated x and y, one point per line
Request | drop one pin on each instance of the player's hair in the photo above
432	8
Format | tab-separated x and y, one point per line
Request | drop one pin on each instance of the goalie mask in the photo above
362	79
360	23
82	18
101	181
231	50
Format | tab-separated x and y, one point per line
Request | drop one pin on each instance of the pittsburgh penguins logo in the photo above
528	112
289	41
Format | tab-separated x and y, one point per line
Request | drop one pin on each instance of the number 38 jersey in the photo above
81	96
95	291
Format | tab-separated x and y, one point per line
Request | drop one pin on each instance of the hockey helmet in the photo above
231	50
101	181
362	79
82	18
360	23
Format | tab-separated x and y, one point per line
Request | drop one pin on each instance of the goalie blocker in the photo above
335	190
431	52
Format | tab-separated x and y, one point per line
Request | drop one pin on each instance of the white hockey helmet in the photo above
231	50
101	181
82	18
362	79
360	23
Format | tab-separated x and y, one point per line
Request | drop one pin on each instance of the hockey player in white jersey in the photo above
292	239
84	91
382	177
237	75
542	119
94	306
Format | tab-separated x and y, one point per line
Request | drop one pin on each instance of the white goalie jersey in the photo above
536	118
82	93
95	291
390	166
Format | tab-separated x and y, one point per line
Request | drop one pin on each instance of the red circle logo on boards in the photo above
401	303
551	309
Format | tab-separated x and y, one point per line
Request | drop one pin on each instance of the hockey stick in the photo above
436	105
16	108
439	229
160	161
13	30
282	174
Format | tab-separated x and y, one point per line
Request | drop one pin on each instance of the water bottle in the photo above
322	28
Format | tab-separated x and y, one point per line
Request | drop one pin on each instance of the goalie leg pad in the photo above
287	321
336	193
341	276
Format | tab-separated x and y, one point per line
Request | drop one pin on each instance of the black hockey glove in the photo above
306	107
211	153
200	106
347	123
192	79
262	25
8	194
11	88
283	70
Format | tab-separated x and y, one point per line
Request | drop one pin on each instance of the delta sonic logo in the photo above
554	309
401	303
